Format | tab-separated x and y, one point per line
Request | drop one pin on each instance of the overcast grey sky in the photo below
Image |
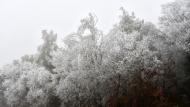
21	21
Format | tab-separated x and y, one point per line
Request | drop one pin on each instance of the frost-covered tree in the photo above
30	81
79	65
136	49
46	50
16	89
26	84
175	22
2	89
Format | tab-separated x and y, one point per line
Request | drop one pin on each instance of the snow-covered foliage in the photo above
46	50
25	83
135	65
175	22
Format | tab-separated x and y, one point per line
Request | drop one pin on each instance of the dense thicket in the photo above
136	65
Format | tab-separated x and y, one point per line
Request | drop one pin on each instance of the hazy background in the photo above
21	21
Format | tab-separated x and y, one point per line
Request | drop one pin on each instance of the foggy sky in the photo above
21	21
